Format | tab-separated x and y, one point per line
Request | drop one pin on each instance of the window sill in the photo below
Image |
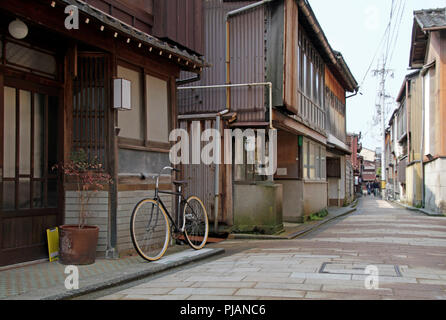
140	145
315	181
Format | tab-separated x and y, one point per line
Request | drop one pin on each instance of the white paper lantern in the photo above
18	29
122	94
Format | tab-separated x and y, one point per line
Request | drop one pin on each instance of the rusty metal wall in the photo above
247	63
200	176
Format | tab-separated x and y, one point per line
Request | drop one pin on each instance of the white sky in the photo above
355	28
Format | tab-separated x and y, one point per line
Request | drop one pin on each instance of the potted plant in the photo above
77	243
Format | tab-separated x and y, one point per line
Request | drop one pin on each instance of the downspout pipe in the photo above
217	171
423	179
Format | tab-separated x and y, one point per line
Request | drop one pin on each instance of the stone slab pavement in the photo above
46	281
407	248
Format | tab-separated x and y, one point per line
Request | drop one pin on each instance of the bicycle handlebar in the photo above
171	169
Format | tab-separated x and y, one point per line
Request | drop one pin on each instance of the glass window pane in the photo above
38	135
9	132
24	193
52	193
29	59
8	201
38	194
25	133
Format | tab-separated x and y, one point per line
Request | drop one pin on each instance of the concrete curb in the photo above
320	223
305	229
121	277
422	210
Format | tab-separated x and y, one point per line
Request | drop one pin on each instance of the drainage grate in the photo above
388	270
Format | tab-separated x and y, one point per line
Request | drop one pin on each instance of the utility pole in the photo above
383	72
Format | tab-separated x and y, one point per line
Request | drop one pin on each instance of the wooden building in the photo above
427	112
278	42
57	95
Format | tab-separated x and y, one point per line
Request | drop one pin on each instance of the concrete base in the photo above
258	208
292	200
435	186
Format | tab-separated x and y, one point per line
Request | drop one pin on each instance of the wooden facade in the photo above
278	42
56	95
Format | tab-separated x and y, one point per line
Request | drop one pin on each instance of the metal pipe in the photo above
423	188
217	172
269	84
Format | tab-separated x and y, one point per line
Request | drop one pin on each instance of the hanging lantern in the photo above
122	95
18	29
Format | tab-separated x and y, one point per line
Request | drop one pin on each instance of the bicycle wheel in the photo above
196	223
150	230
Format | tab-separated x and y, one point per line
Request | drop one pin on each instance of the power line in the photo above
381	43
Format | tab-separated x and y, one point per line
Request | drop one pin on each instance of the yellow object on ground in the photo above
53	244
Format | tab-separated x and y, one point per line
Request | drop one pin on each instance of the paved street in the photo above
408	248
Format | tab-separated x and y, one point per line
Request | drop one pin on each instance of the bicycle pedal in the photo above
179	242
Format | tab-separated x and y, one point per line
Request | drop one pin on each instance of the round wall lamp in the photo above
18	29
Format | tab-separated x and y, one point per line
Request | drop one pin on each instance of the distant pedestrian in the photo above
369	188
376	188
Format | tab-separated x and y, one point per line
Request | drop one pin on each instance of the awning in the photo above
337	144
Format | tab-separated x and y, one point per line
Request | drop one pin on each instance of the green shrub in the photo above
319	215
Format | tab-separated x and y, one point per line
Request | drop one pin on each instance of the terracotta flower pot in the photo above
78	246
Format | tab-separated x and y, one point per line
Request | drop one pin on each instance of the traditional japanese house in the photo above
428	141
57	94
278	45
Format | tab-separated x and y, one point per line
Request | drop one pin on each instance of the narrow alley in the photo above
408	248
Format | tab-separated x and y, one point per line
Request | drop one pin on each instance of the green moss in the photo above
318	216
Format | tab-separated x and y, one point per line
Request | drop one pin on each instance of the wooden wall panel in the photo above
291	70
334	85
180	21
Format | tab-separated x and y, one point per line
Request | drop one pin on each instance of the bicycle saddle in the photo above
180	183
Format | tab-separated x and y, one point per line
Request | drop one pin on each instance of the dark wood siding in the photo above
137	13
333	168
180	21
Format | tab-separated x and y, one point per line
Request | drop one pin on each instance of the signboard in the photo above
53	244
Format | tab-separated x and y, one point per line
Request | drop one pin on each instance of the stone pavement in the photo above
46	280
408	248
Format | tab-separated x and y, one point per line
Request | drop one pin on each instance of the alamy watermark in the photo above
248	147
72	280
72	21
372	280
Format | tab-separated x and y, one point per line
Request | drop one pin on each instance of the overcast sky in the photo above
356	28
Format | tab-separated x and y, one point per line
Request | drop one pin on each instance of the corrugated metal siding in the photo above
200	176
247	63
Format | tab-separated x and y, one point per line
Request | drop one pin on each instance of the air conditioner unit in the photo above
122	97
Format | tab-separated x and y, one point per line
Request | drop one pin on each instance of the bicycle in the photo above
150	222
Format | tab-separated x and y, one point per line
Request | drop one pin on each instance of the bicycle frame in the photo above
179	199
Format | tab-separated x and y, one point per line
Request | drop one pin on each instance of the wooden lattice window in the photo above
90	101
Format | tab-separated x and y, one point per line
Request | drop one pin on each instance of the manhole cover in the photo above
388	270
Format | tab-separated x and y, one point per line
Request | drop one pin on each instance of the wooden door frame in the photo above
11	79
